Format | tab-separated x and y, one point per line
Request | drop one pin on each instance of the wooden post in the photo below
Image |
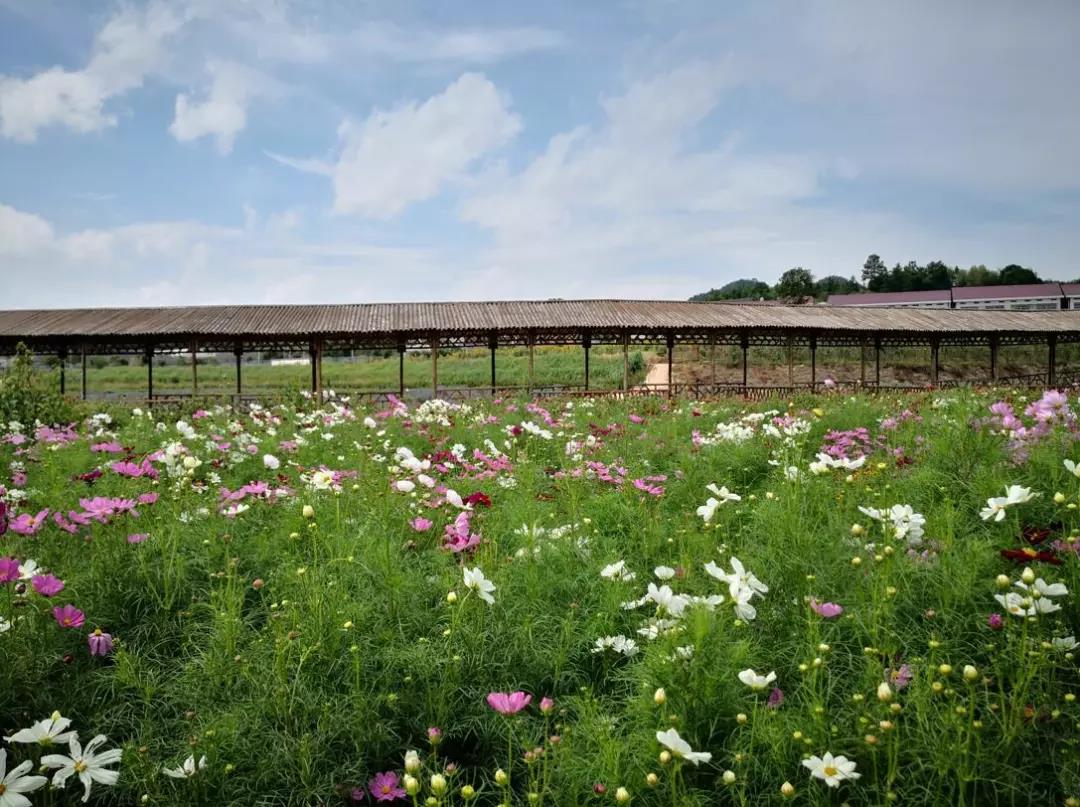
401	369
194	367
149	373
319	344
877	361
586	342
314	368
994	344
434	366
531	338
744	344
935	350
813	362
84	372
1051	370
626	361
493	343
791	360
239	351
670	363
862	362
63	362
712	357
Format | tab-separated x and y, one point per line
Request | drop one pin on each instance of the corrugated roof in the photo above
890	297
568	315
1007	292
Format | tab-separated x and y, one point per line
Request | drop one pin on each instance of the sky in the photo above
296	151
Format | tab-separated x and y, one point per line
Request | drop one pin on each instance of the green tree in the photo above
835	284
744	288
795	285
875	274
1014	273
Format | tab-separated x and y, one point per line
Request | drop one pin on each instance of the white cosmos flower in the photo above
743	609
680	748
995	509
425	480
666	600
754	681
271	462
370	422
405	486
617	571
872	512
708	510
475	580
664	572
86	763
1015	604
188	769
832	769
14	783
52	730
1065	643
723	494
455	499
1015	494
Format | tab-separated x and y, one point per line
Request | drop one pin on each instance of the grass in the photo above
302	652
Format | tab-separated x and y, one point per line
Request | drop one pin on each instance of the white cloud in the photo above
125	51
407	154
221	112
22	233
472	46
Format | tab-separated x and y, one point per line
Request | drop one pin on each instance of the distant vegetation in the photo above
798	284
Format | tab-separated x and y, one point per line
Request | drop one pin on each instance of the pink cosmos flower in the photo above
47	585
386	787
900	677
995	622
107	448
147	498
137	538
25	524
828	610
69	616
18	479
637	419
64	524
101	643
434	735
546	705
421	524
776	698
508	703
652	490
9	570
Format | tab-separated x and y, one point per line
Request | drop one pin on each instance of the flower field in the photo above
649	602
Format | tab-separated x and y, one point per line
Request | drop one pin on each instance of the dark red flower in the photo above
478	499
1036	535
1028	555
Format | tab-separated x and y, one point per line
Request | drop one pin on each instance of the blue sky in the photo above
214	151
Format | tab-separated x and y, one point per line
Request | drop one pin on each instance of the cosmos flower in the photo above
680	748
386	786
475	581
69	616
187	770
831	769
14	783
85	763
47	585
45	732
101	643
828	610
756	682
508	703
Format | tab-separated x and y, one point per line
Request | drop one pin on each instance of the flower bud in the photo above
787	790
884	692
659	697
1059	497
308	511
468	792
1002	581
652	779
1028	575
438	784
741	718
970	673
500	777
412	762
729	777
622	796
412	784
857	529
451	597
665	757
944	669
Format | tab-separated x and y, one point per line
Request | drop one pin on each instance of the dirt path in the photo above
657	375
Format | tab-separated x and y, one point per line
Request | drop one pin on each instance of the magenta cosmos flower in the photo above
101	643
47	585
137	538
421	524
828	610
385	787
508	703
9	570
69	616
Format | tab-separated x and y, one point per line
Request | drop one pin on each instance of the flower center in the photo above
386	790
831	771
80	766
3	788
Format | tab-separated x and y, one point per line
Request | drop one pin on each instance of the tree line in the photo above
798	284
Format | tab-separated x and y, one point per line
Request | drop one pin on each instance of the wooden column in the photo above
994	344
626	361
791	360
63	366
314	368
877	361
813	362
712	356
83	372
744	343
935	360
149	372
531	338
586	342
670	363
239	352
862	362
1051	359
401	369
194	367
434	366
493	344
319	344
